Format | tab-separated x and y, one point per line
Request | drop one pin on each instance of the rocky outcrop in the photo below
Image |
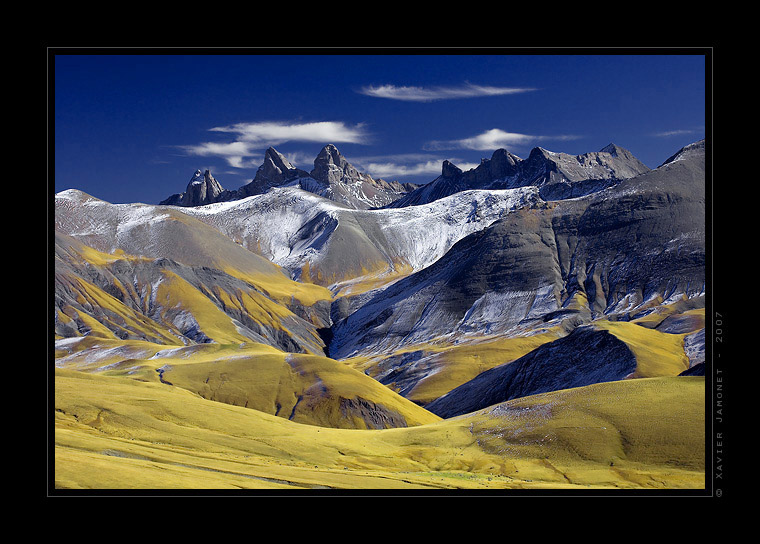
331	167
337	179
558	176
615	250
275	171
202	189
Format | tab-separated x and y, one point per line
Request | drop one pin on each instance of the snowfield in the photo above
275	223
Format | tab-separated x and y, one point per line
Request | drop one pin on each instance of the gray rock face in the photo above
642	238
374	415
618	248
696	149
489	281
584	357
694	346
544	167
275	171
696	370
337	179
331	167
202	189
558	175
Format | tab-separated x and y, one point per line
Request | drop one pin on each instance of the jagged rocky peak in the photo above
502	156
276	168
613	150
557	175
622	153
501	165
450	170
333	177
338	180
275	164
332	167
202	189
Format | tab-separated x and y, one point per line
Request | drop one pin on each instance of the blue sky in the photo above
134	128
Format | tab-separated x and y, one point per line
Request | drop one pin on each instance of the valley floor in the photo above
122	433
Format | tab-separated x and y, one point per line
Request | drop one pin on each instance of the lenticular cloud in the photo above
423	94
273	132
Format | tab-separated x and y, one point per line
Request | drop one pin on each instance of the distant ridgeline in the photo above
557	175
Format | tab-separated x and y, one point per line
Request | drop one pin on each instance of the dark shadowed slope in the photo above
584	357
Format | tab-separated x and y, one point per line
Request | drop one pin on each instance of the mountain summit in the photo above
276	170
332	177
202	189
332	167
338	180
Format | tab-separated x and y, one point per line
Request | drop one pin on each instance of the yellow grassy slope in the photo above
449	366
657	353
111	315
306	388
108	315
270	279
113	432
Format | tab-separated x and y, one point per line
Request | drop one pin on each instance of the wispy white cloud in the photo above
395	170
252	138
233	152
429	94
275	132
494	139
679	132
405	165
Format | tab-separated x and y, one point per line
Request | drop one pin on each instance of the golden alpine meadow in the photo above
322	331
320	272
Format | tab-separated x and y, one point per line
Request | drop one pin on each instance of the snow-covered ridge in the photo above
424	233
103	220
274	223
294	228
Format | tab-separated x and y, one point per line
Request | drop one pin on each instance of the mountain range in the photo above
332	177
337	301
